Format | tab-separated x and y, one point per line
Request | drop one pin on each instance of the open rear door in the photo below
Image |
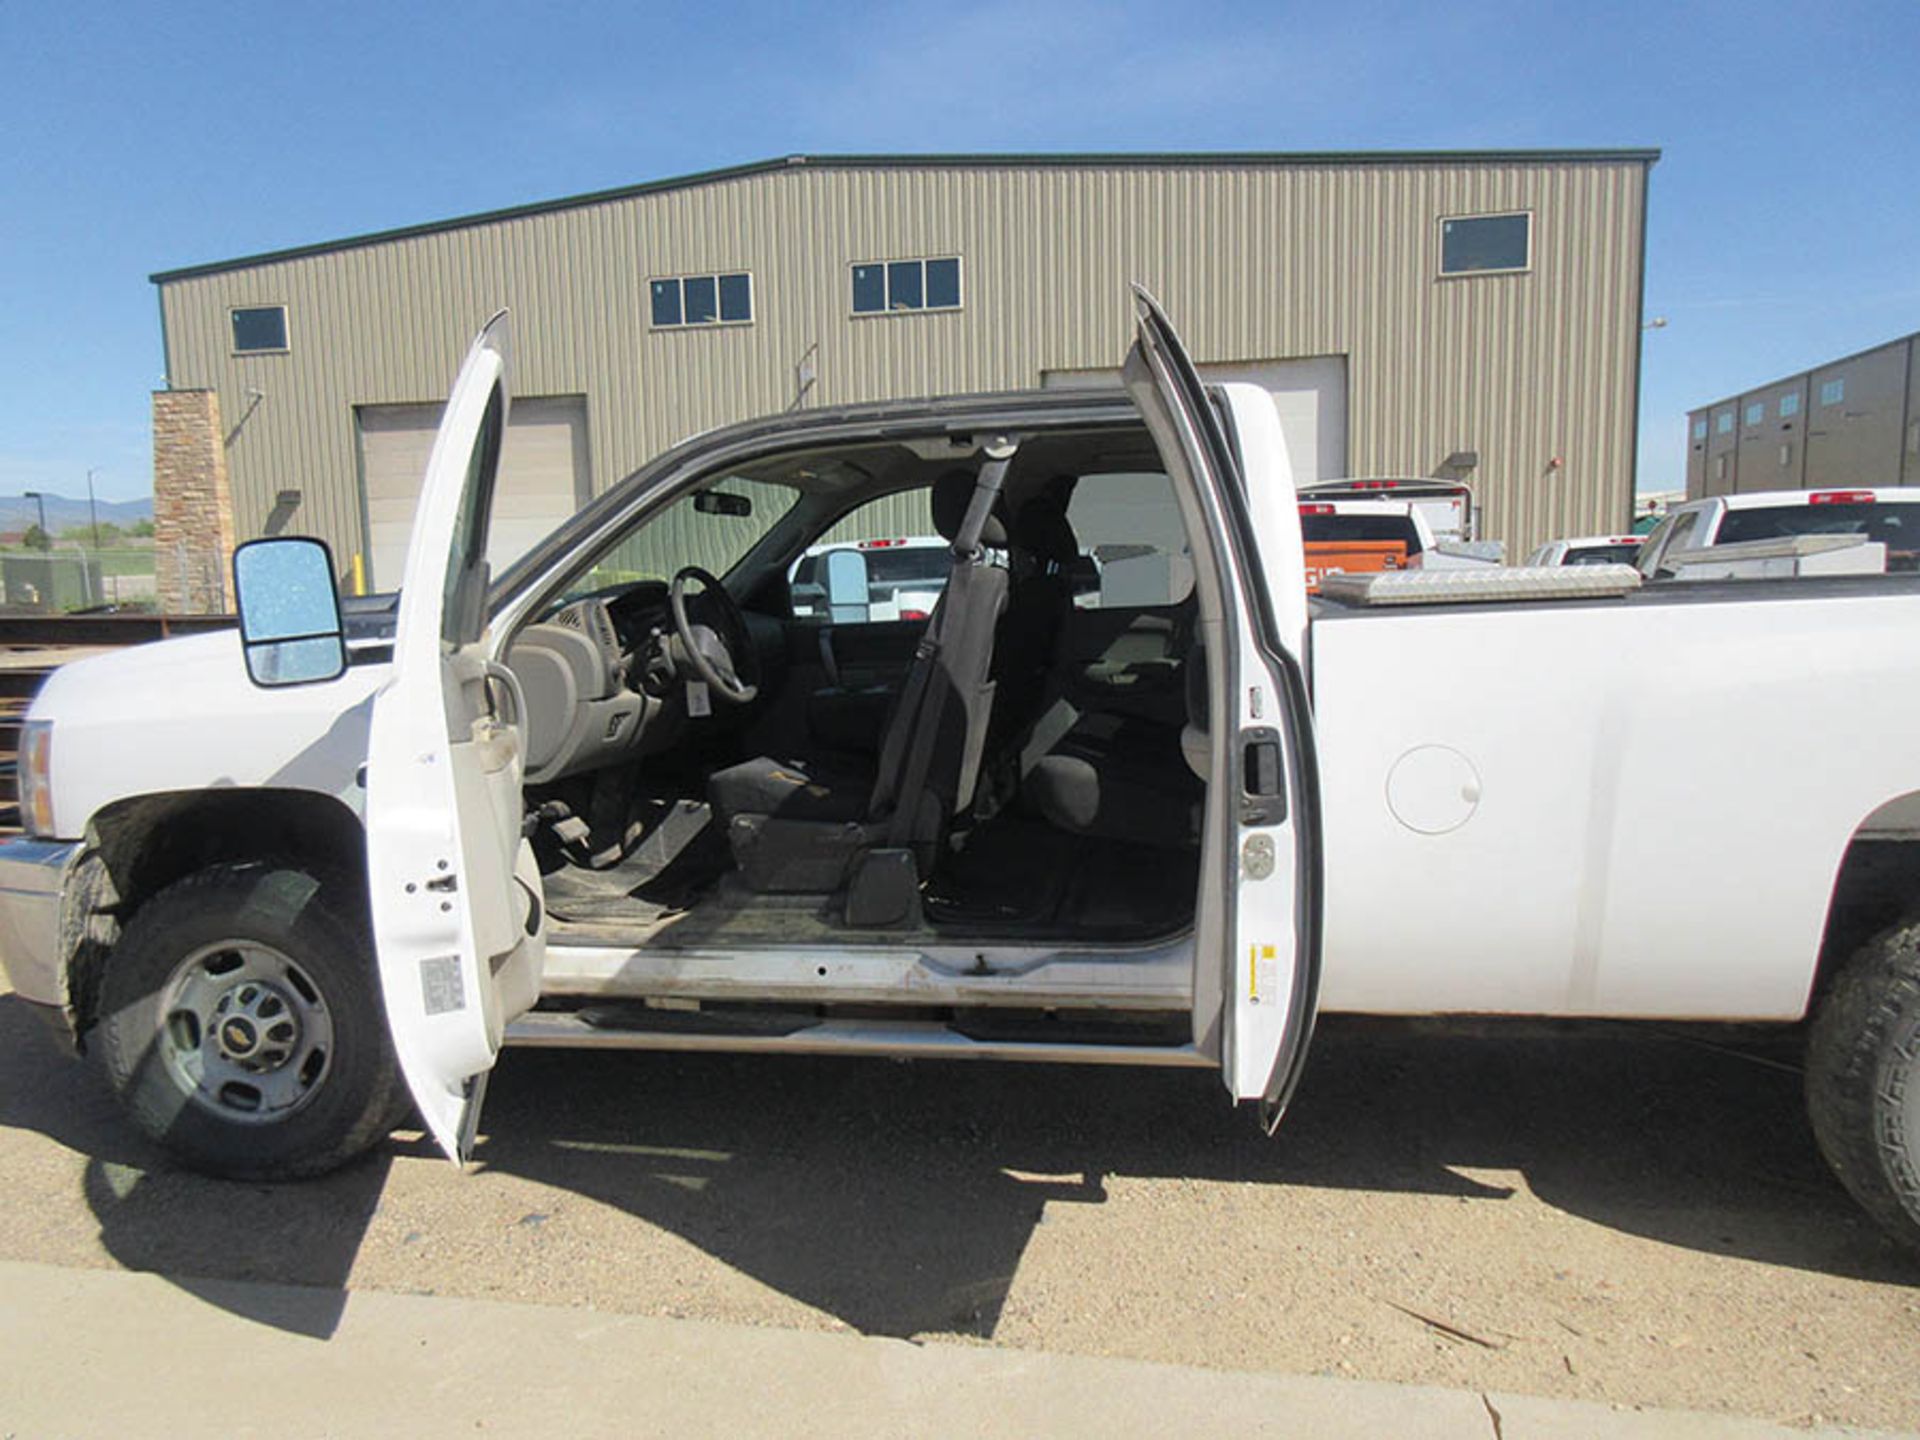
457	911
1261	928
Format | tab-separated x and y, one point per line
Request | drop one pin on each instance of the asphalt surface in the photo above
1614	1215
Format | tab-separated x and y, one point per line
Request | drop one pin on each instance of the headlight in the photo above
36	789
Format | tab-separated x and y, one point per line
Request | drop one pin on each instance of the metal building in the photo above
1853	421
1475	315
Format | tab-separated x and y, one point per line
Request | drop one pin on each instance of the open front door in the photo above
1260	928
458	918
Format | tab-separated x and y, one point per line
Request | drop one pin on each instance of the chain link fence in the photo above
70	577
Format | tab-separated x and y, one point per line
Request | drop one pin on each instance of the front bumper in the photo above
33	875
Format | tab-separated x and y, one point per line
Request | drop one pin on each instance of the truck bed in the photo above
1633	805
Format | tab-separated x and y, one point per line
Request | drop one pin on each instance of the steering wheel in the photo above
706	649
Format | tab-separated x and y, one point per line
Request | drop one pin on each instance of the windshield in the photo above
713	527
1896	525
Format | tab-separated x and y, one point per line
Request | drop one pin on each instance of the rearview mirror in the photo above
717	502
290	629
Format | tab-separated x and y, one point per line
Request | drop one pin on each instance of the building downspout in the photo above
1639	344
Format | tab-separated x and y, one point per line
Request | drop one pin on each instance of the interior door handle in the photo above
510	683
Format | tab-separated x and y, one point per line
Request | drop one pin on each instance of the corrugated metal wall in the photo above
1254	262
1868	433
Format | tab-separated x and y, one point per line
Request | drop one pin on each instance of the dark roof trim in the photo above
1194	160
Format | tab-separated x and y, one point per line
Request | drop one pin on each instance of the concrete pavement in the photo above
97	1352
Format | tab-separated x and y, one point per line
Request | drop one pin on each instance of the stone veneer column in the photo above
192	504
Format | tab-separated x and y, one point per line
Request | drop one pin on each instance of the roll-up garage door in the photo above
543	477
1309	395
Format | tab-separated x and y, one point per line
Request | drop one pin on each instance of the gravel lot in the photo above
1614	1214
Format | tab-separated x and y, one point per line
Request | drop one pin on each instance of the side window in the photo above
882	562
463	602
1133	546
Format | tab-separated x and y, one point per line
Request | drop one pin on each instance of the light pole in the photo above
93	511
39	498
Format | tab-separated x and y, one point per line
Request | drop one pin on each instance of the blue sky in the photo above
1784	215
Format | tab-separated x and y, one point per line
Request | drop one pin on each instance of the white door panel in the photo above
1260	926
457	911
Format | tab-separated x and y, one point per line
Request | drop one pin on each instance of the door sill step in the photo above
900	1038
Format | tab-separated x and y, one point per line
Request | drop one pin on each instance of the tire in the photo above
242	1026
1863	1079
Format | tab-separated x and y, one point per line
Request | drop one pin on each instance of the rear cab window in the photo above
1895	525
1373	528
1623	553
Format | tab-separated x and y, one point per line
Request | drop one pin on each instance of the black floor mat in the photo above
1017	877
681	856
1021	874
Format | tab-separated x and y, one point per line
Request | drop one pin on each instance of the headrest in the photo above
1042	530
952	493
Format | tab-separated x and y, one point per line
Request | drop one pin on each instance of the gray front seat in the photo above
795	830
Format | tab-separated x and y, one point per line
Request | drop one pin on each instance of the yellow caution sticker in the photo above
1255	954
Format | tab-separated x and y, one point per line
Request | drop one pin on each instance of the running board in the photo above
904	1039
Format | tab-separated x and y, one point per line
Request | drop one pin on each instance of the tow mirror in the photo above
847	593
290	628
718	502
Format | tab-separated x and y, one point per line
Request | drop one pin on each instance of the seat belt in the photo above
922	698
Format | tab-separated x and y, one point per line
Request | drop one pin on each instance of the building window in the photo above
1756	412
1723	423
259	329
1476	244
702	300
883	286
1700	429
1833	391
1790	404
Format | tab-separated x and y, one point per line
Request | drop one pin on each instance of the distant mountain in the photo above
17	512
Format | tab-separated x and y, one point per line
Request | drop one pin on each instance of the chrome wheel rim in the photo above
245	1032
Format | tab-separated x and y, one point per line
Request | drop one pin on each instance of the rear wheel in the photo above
241	1024
1863	1079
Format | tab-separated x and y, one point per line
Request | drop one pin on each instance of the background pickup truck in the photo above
289	882
1359	537
1884	525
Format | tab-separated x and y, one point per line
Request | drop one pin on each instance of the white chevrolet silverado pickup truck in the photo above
291	880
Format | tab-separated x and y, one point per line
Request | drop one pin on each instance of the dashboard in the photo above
598	680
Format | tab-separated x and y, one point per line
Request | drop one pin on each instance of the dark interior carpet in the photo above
680	856
1021	874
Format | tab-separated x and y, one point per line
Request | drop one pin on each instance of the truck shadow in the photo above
900	1198
153	1216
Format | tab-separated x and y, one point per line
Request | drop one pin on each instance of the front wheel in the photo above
241	1024
1863	1079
